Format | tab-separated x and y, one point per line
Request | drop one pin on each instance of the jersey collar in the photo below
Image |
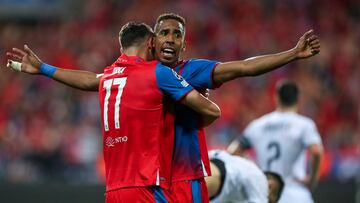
130	59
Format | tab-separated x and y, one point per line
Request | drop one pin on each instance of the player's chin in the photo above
168	61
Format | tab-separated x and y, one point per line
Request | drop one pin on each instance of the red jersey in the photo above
191	160
138	131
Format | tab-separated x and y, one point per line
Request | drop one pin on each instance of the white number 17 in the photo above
121	82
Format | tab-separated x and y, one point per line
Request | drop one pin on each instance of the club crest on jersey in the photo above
183	81
118	70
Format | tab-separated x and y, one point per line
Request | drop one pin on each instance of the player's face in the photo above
169	41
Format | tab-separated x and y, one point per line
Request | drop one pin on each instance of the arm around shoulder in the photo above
208	109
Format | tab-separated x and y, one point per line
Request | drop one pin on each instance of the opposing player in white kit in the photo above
280	140
236	179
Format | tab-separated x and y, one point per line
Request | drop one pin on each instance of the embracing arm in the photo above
307	46
208	109
31	64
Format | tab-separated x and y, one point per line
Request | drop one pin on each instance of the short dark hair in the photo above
170	16
279	181
288	92
133	33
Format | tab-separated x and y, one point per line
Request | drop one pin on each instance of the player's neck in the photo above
287	109
136	51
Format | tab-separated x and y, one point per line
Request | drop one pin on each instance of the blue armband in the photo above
47	70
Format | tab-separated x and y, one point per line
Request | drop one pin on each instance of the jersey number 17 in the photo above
120	82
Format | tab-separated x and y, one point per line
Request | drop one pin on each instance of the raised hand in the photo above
308	45
30	63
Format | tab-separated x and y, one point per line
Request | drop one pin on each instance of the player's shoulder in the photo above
198	61
147	65
302	119
216	153
262	120
287	116
159	67
156	63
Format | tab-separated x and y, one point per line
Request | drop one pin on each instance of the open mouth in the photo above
168	52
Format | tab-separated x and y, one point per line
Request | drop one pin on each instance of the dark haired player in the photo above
236	179
191	160
280	140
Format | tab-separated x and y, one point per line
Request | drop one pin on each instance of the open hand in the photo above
308	45
30	63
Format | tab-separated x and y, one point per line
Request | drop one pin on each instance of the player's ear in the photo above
151	43
184	47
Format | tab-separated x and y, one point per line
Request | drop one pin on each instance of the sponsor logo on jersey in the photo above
110	142
183	81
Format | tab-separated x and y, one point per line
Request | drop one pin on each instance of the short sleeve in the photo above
311	135
171	83
199	73
245	140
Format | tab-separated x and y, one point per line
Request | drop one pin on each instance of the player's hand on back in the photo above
307	182
308	45
206	93
30	63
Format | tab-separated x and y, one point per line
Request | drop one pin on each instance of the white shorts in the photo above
295	194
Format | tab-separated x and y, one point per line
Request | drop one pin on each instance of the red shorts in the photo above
190	191
150	194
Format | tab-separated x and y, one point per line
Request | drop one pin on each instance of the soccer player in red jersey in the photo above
138	125
190	162
138	135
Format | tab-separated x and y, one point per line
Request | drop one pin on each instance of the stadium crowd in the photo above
50	132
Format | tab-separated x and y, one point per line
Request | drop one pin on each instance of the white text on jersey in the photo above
118	70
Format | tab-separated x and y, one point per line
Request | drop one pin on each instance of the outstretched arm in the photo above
31	64
307	46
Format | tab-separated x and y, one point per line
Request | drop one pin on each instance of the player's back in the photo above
133	121
243	182
279	138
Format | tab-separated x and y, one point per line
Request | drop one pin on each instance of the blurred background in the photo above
50	134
